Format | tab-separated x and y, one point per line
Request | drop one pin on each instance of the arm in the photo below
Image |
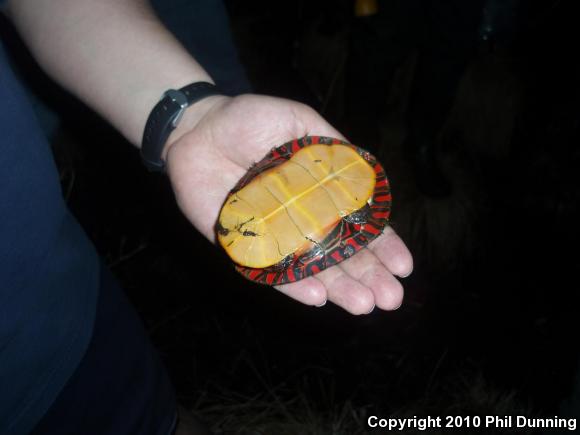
113	54
117	58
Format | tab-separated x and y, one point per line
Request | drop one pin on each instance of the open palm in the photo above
207	161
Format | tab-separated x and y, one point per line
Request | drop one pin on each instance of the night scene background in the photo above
473	107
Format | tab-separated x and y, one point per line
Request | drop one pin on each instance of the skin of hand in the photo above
117	57
216	143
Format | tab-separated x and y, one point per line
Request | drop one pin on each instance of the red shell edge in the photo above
345	239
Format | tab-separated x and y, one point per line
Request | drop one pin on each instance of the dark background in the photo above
489	322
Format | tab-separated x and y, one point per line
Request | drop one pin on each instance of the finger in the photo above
346	292
309	291
366	268
393	253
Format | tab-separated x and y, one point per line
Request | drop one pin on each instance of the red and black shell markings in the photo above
351	233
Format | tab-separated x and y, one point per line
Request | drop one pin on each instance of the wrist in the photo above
167	115
192	116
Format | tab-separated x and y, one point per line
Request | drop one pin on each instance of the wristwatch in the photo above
164	118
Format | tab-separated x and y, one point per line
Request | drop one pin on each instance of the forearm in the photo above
113	54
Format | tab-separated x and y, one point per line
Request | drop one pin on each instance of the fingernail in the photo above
406	275
398	306
372	309
322	304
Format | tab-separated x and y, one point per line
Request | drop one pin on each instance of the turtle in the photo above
307	205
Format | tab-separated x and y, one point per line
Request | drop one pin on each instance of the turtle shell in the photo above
308	205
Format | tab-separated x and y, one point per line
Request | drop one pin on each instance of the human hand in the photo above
214	147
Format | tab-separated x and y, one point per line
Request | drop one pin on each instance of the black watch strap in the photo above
164	118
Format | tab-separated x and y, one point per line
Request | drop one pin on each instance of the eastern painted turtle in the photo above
308	205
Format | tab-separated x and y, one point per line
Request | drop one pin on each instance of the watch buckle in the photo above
180	99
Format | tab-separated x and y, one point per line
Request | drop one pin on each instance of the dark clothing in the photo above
120	386
49	272
202	26
74	358
57	363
